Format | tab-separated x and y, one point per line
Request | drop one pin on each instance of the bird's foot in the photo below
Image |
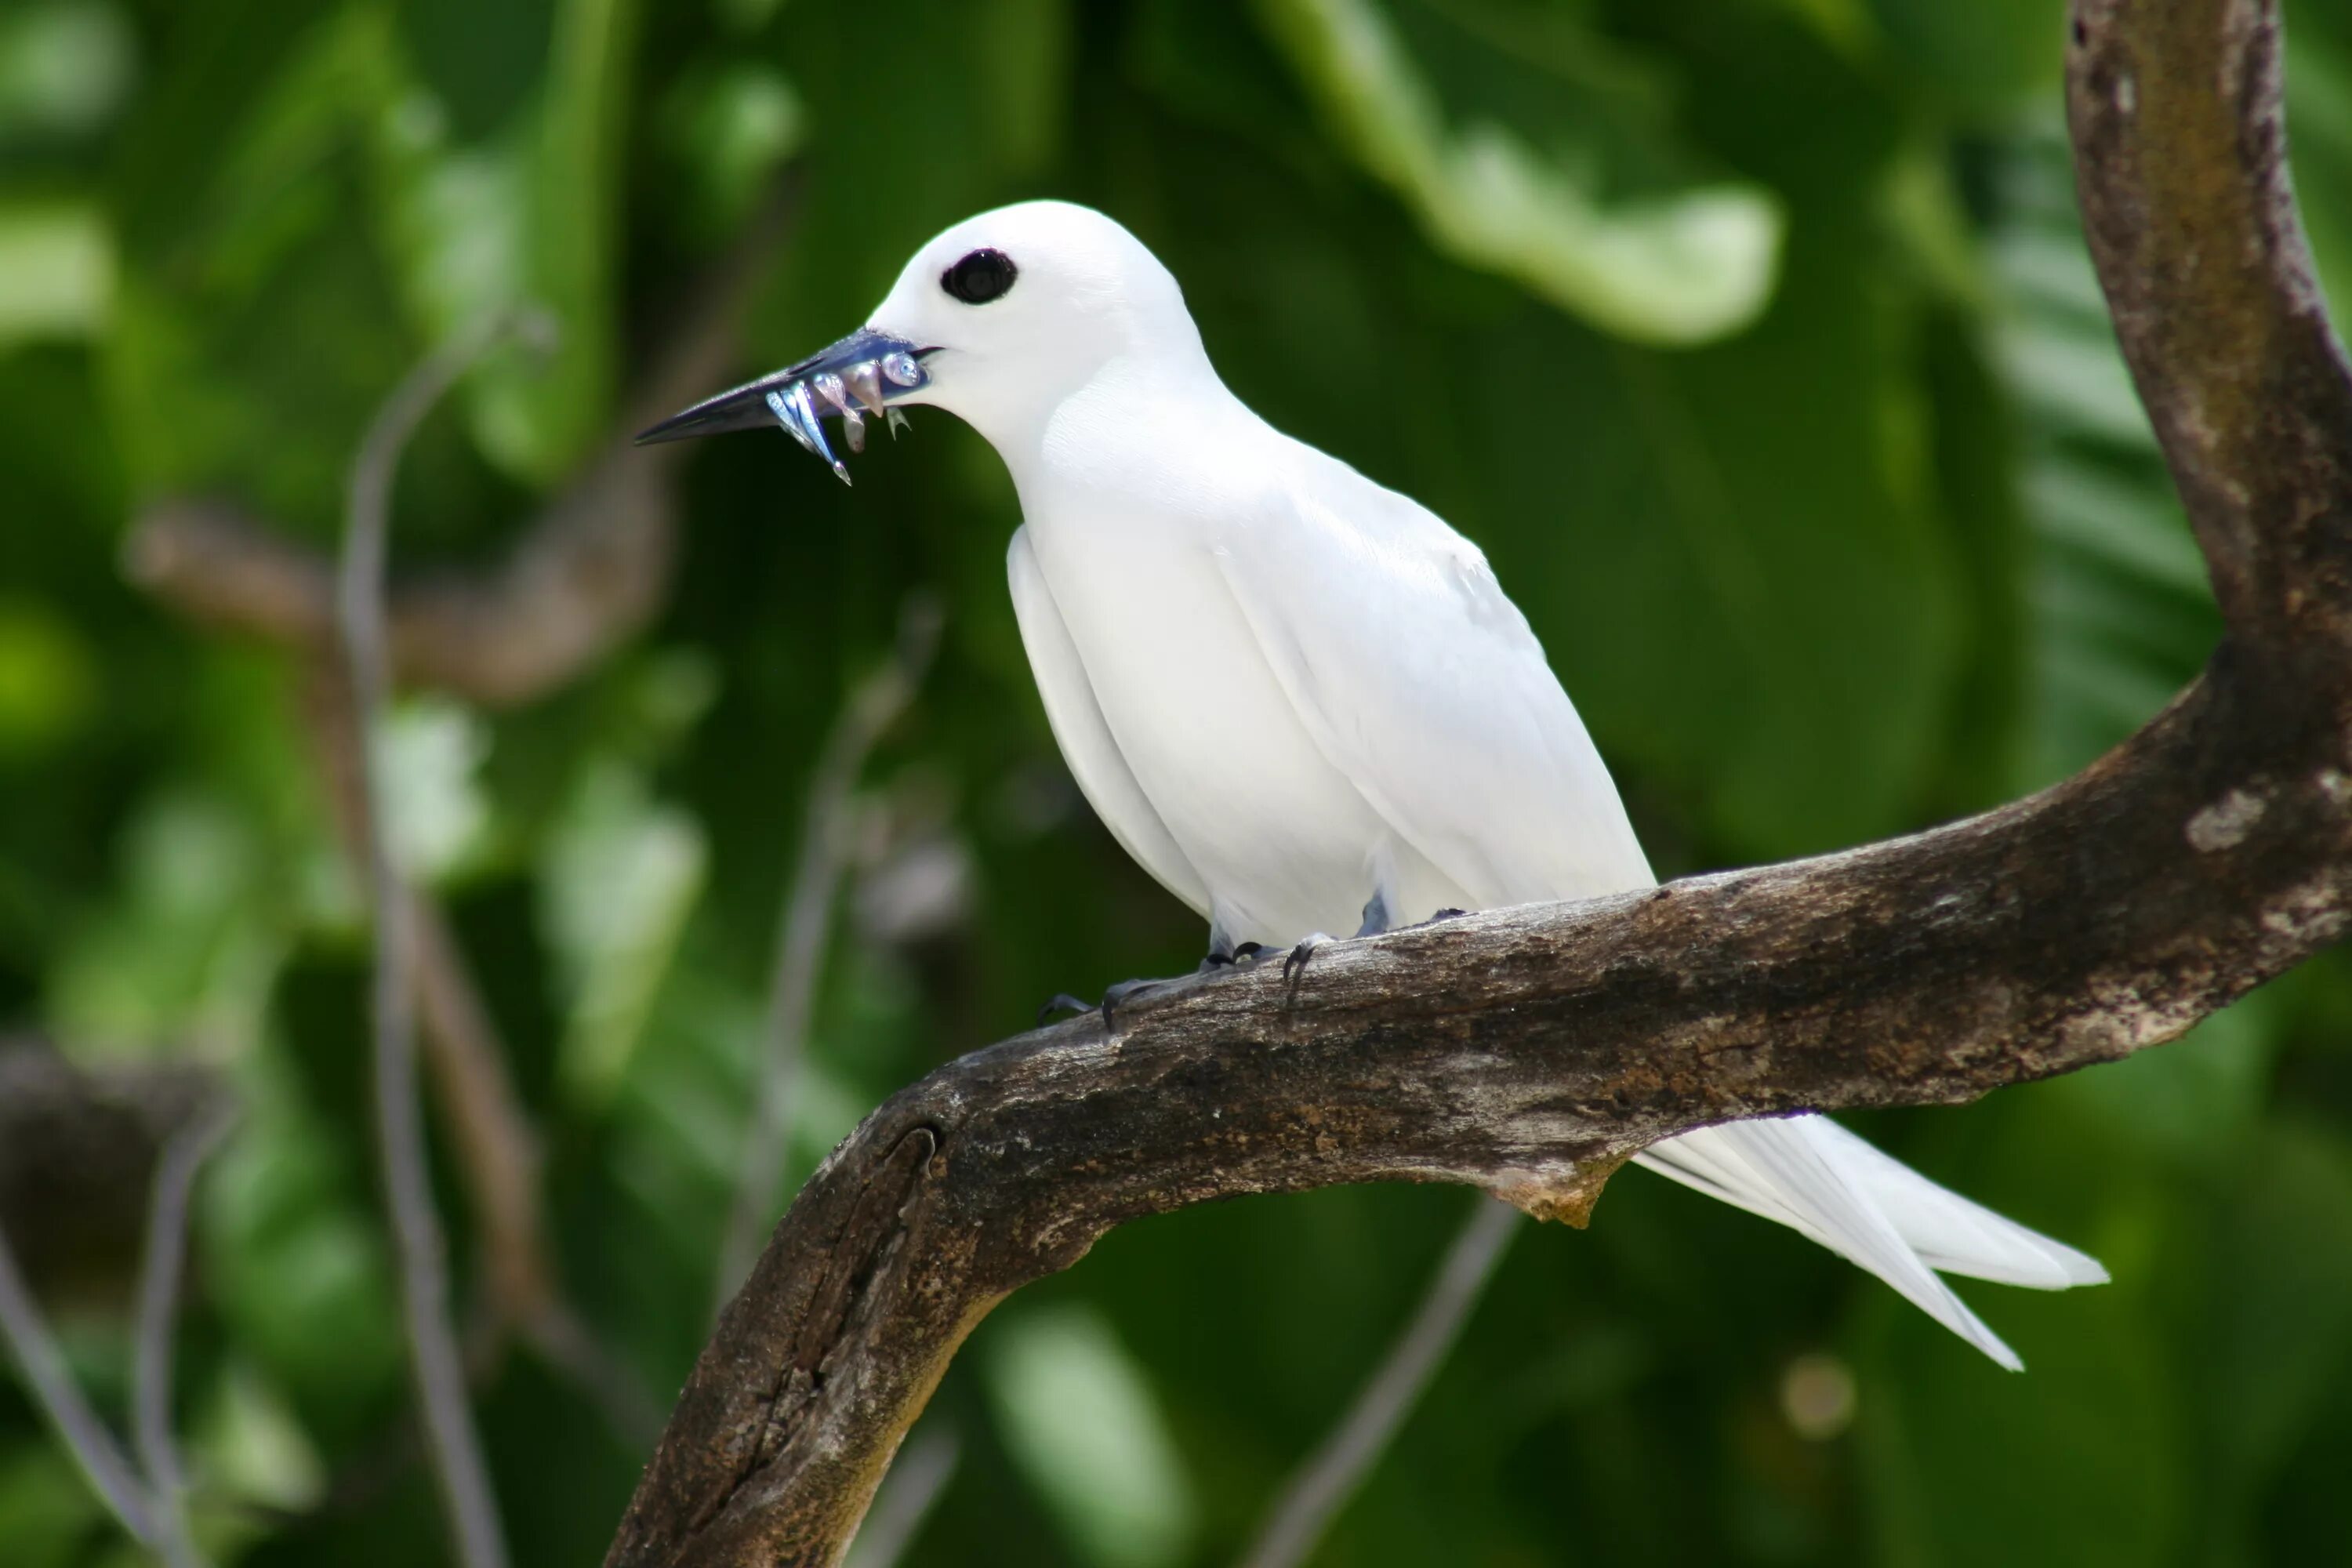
1243	956
1059	1003
1112	1000
1295	964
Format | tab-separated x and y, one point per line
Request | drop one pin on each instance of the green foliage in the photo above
1754	338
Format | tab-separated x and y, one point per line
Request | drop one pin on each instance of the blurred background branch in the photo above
914	1484
1303	1510
160	1276
828	844
49	1098
452	1445
94	1449
586	573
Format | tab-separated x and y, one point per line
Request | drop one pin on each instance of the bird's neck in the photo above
1136	425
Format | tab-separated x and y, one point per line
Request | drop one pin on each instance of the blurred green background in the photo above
1753	338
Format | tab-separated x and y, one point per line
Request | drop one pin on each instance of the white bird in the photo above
1297	698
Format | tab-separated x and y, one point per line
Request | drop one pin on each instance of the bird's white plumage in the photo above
1086	740
1421	682
1287	690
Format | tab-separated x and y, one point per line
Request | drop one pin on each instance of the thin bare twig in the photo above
493	1140
496	1147
147	1505
159	1314
905	1500
439	1370
807	923
1321	1487
565	1342
93	1448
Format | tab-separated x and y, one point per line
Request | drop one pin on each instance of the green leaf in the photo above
620	873
49	1516
1082	1423
2279	1319
431	752
2088	1456
2194	1100
1531	200
2122	616
1764	610
521	214
1984	55
48	681
251	1445
59	268
727	130
65	68
2319	129
298	1269
253	335
192	946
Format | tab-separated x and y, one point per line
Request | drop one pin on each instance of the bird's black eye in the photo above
980	277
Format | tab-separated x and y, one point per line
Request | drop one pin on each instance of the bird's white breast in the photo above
1128	545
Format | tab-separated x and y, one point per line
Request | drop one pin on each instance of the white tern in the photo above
1299	699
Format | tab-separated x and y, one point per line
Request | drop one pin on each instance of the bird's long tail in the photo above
1823	1181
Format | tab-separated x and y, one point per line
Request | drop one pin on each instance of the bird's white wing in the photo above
1103	776
1421	682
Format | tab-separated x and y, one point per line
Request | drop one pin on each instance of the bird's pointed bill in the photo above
863	373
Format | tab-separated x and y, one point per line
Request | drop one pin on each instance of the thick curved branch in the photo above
1528	1051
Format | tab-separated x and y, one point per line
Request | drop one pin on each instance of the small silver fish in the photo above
859	377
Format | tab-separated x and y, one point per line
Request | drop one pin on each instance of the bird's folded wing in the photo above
1420	682
1103	776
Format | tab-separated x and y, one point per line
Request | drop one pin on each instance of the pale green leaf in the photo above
1669	266
1082	1423
432	753
521	217
56	271
620	873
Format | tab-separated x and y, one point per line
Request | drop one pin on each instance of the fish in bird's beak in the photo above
861	374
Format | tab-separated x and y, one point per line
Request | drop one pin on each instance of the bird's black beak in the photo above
863	373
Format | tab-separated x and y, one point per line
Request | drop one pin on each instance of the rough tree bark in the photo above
1530	1051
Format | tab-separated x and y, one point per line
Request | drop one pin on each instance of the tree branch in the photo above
587	572
450	1440
89	1120
50	1382
1530	1051
159	1319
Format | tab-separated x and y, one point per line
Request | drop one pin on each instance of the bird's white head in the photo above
997	320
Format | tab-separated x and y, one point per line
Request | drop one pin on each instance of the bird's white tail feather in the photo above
1813	1175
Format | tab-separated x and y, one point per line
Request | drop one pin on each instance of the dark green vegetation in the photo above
1897	547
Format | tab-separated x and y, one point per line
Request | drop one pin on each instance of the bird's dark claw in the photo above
1119	996
1061	1001
1112	999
